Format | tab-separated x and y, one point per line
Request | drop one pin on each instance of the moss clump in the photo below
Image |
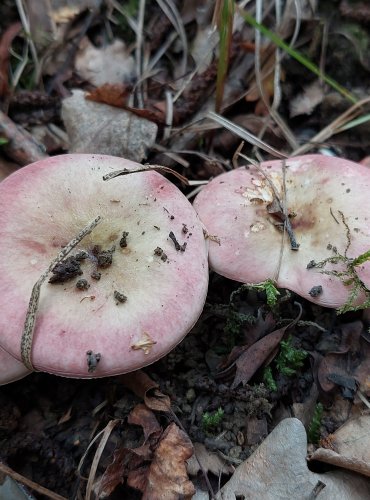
210	421
289	359
313	433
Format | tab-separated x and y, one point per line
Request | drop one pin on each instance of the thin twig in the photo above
145	168
29	324
30	484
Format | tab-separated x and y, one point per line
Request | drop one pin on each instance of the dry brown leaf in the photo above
145	388
128	462
167	477
351	361
253	358
278	469
207	460
124	460
350	446
114	94
143	416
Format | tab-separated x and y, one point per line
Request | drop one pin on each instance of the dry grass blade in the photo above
139	50
27	30
170	9
259	79
244	134
29	324
333	128
224	10
105	433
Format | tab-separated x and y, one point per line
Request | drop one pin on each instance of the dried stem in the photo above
29	324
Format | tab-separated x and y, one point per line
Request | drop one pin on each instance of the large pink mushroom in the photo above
280	219
130	290
10	368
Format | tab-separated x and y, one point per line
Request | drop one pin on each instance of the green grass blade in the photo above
297	56
225	26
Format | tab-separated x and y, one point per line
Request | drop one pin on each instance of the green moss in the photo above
289	359
313	433
268	379
210	421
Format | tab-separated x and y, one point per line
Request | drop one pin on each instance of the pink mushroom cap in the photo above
325	197
10	368
146	299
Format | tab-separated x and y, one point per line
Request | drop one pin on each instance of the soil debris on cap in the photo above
104	257
81	255
315	291
178	247
123	240
160	253
92	361
82	284
119	297
95	275
66	270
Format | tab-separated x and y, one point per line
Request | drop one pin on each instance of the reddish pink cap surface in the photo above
235	206
10	368
144	302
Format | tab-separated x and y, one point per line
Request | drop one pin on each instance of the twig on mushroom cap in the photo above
29	324
145	168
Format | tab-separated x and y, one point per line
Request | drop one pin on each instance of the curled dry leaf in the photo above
278	469
208	460
143	416
131	460
350	446
350	364
145	388
114	94
167	477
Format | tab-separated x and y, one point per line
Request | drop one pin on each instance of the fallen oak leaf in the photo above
340	367
349	446
207	460
278	469
167	478
145	388
143	416
114	94
124	460
128	461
